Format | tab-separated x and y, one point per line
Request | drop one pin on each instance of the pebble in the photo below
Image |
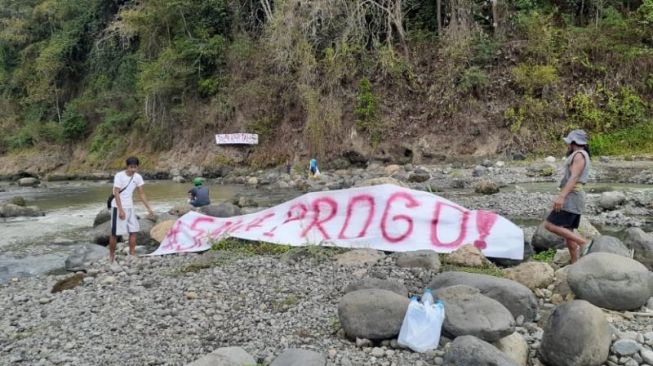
626	347
377	352
108	280
647	356
44	300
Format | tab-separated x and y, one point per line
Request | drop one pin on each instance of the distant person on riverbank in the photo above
123	217
314	170
570	202
199	195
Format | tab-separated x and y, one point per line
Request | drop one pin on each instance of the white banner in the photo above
384	217
237	138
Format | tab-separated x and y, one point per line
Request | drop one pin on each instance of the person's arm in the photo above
577	166
141	194
116	195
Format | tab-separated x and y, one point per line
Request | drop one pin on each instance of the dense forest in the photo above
100	78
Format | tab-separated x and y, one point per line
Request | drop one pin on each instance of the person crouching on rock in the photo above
570	202
199	195
123	217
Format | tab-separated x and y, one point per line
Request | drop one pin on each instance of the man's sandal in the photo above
586	248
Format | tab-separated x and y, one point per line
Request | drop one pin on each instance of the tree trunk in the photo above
438	14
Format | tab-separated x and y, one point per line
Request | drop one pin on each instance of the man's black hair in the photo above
132	160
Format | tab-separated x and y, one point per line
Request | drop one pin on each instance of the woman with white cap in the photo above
570	202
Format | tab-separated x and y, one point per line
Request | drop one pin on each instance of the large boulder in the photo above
11	267
28	182
426	259
103	216
180	210
531	274
544	239
11	210
611	200
160	230
642	243
610	281
609	244
299	357
576	334
486	187
372	314
515	347
513	295
101	233
371	282
143	236
468	256
468	312
221	210
85	254
471	351
561	284
226	356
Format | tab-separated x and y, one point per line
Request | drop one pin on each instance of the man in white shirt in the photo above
123	217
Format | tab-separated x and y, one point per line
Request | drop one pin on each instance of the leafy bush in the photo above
366	111
634	139
74	124
474	80
545	256
534	79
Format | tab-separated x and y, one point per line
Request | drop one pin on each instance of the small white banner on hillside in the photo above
237	139
384	217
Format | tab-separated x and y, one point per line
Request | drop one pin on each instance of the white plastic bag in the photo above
422	325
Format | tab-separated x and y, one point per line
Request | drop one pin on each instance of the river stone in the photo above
11	210
18	201
642	243
225	209
143	236
543	239
426	259
562	257
470	313
486	187
560	284
515	347
576	334
377	283
419	175
610	281
101	234
28	182
11	267
160	230
180	210
103	216
357	257
513	295
609	244
226	356
299	357
372	314
610	200
626	347
471	351
68	283
85	254
531	274
468	256
379	181
479	171
178	179
390	170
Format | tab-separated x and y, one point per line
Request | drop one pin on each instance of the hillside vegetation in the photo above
100	78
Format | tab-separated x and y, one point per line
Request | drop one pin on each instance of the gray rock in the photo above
515	347
470	313
647	356
514	296
11	267
143	236
11	210
178	179
227	356
28	182
222	210
543	239
611	200
576	334
103	216
610	281
426	259
471	351
609	244
371	283
642	243
486	187
479	171
372	314
299	357
419	176
85	254
626	347
101	234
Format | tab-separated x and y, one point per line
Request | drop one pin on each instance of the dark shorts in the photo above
564	219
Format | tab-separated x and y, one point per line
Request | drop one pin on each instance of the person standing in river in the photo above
570	202
123	217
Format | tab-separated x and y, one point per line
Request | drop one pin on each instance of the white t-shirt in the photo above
120	181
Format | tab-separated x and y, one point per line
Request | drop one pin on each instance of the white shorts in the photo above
127	226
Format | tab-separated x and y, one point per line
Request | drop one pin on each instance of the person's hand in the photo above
122	214
151	215
557	203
